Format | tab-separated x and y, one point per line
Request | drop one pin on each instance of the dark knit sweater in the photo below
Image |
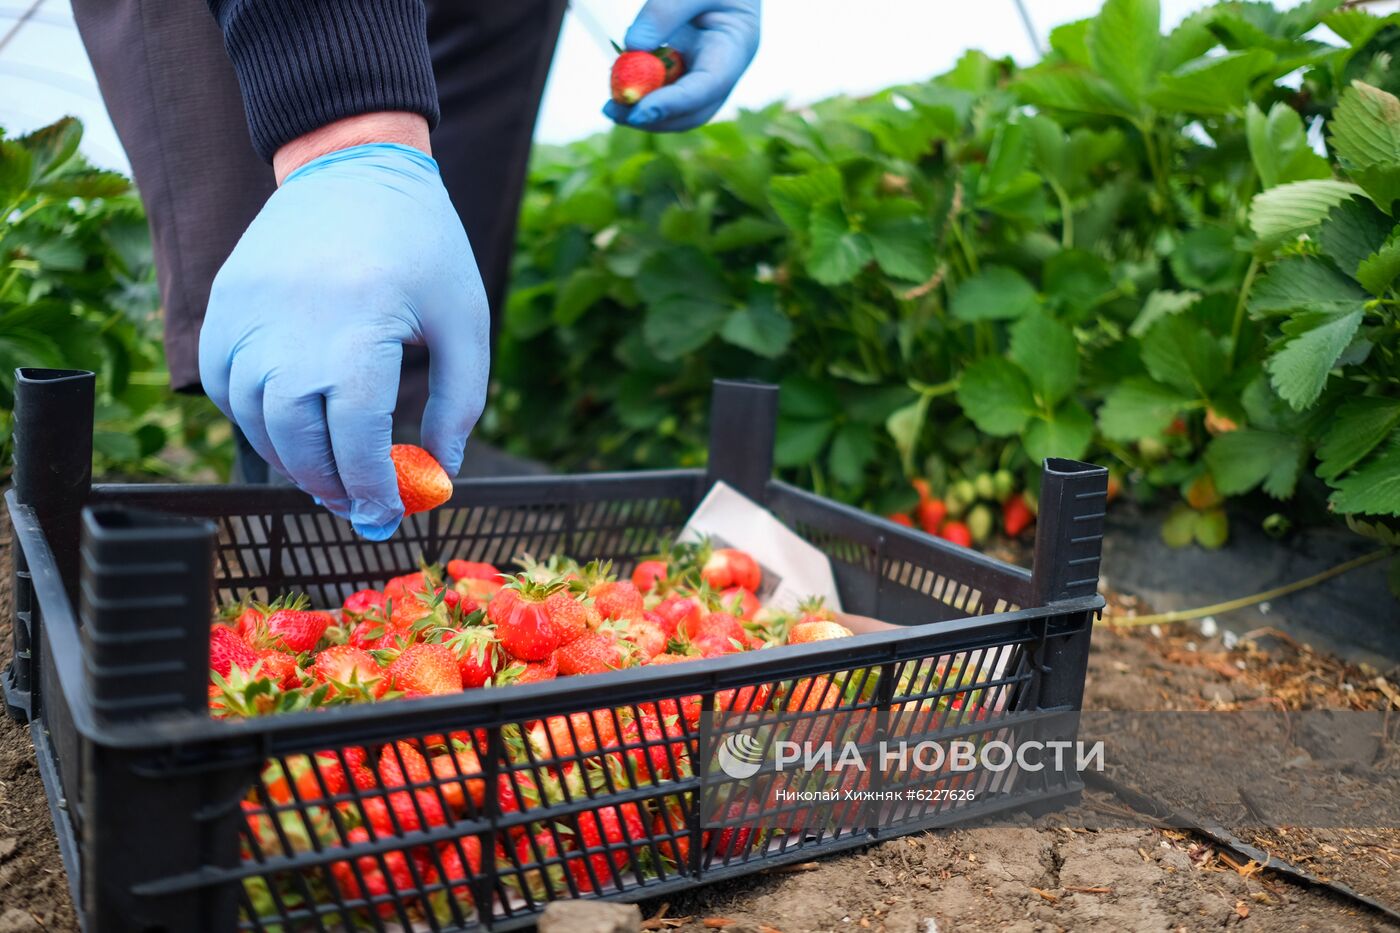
304	63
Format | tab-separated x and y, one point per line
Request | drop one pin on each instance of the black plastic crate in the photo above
112	594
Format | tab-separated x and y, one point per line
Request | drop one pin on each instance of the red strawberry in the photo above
571	617
374	633
450	855
425	670
812	694
735	839
478	659
599	831
899	518
348	666
539	848
522	621
516	791
635	75
227	649
921	486
521	672
409	584
361	602
956	532
617	599
398	881
744	699
648	637
728	567
423	483
932	512
280	668
472	570
741	602
577	733
714	646
675	64
670	824
451	769
715	625
678	612
1016	515
665	746
291	630
401	765
648	573
594	653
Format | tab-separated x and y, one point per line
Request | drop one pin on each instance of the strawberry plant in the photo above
1169	252
77	291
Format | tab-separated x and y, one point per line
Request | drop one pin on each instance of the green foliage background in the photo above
1120	253
77	291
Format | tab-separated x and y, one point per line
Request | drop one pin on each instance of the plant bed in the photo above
116	691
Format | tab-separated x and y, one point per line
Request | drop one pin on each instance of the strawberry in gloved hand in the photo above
714	41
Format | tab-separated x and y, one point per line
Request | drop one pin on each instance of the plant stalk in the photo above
1186	615
1238	324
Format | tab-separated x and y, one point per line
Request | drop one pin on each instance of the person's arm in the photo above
358	253
306	64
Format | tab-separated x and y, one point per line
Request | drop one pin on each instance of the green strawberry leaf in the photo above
1373	489
994	393
1139	408
1365	134
1241	460
1379	271
1358	427
1297	283
1124	43
1285	212
1048	355
1278	146
838	253
1178	352
1352	231
761	328
996	293
1316	340
1067	432
1161	304
1217	84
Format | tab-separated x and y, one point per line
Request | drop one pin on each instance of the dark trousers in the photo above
174	101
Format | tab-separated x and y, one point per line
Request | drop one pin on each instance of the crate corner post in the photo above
743	430
147	589
1068	547
53	419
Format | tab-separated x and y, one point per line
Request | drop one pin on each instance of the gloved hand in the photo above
718	39
357	253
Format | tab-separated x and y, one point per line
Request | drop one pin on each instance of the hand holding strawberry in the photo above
714	39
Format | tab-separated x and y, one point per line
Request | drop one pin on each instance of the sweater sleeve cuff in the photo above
302	64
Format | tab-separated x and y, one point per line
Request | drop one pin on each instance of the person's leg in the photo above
490	61
173	98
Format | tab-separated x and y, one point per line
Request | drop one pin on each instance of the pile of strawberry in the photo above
468	626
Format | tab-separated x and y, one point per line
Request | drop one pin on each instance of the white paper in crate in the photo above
793	570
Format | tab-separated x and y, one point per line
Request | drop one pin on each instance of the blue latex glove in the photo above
357	253
717	38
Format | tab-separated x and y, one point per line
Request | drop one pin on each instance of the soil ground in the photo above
980	879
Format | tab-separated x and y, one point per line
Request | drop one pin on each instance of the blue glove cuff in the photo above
388	155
